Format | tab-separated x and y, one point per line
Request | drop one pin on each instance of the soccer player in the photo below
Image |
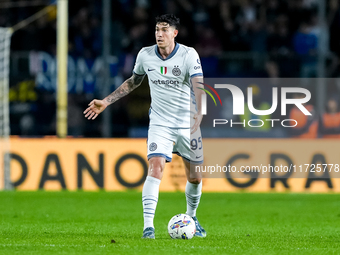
175	77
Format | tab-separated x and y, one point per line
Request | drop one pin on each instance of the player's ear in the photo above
175	32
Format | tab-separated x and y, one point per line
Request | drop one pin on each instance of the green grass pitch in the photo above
236	223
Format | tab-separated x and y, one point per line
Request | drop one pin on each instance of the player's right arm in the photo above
97	106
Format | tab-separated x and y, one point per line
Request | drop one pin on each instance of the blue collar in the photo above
171	54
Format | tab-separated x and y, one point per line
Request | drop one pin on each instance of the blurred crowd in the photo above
284	38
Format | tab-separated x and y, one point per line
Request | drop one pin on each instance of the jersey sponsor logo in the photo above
153	147
165	82
197	67
164	69
198	61
176	71
150	69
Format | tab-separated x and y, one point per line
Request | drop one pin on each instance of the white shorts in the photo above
163	141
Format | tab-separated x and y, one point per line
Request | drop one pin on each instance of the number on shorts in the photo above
194	144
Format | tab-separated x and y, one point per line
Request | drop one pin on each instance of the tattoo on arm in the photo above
129	85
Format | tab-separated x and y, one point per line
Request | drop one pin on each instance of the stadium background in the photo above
234	38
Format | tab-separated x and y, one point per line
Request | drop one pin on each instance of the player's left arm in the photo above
197	83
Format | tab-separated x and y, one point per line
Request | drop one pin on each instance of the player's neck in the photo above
165	52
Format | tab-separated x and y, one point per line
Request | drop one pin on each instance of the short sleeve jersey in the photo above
172	96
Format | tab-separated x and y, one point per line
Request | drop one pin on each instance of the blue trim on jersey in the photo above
188	160
159	155
171	54
138	74
196	74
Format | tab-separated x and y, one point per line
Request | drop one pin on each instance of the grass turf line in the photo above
236	223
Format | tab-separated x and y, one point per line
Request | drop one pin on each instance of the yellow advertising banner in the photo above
121	164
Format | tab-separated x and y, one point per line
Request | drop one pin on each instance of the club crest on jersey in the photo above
176	71
164	69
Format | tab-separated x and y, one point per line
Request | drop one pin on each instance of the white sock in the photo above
193	195
150	199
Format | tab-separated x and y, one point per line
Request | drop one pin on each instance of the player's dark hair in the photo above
171	19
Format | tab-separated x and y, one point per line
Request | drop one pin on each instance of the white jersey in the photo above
170	86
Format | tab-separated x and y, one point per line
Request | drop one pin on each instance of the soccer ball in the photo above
181	226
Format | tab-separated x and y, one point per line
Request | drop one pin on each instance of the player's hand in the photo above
95	108
197	118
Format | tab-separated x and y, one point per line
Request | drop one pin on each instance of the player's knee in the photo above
156	166
195	180
156	171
